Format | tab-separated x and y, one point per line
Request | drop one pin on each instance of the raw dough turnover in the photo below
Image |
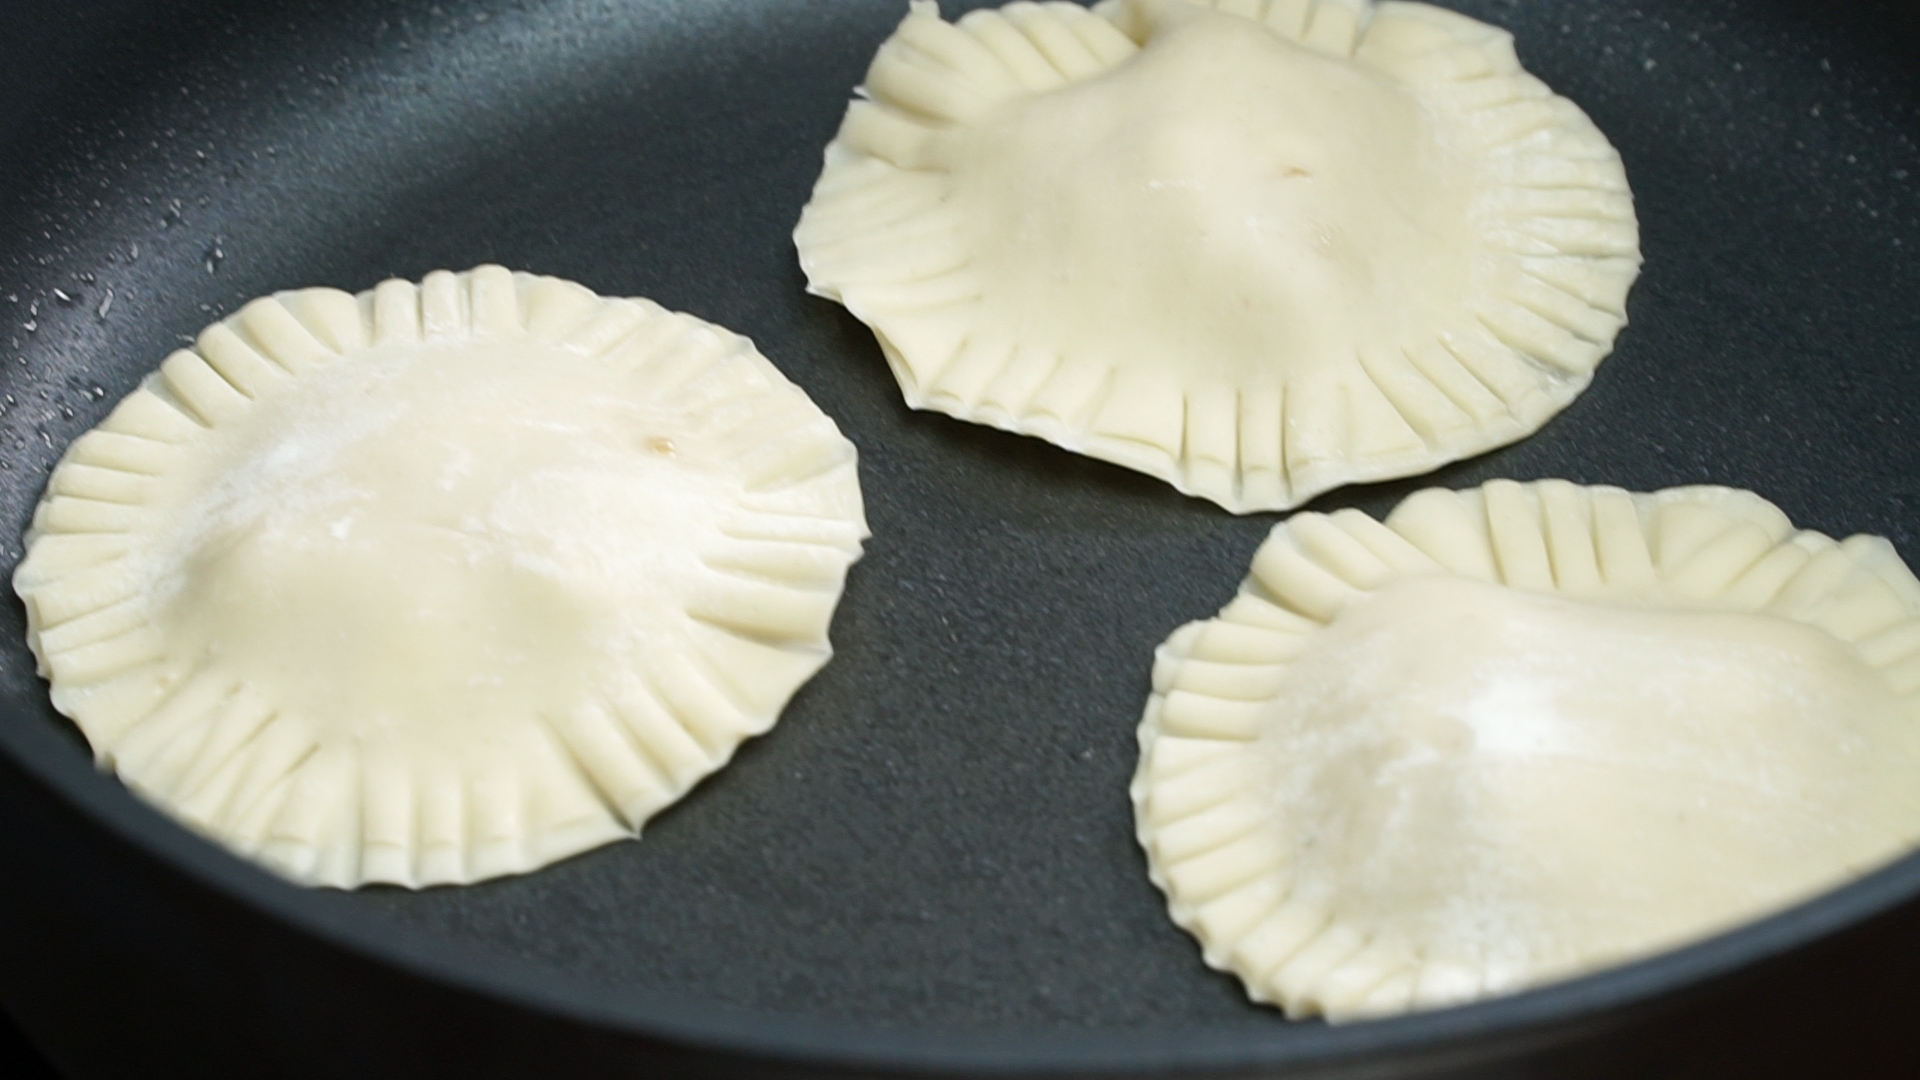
439	582
1522	732
1256	248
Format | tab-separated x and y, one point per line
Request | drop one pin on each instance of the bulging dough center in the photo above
439	536
1226	197
1507	774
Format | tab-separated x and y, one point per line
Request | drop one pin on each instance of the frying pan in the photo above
927	868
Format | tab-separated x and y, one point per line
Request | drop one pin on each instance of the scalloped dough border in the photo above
1687	549
882	235
211	746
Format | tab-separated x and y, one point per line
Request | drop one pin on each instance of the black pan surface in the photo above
929	863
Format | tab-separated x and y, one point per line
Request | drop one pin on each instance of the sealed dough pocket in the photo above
1522	732
441	581
1256	249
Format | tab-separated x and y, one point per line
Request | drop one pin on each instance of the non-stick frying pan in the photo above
928	865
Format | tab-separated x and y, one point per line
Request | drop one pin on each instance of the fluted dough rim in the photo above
213	748
1557	225
1688	549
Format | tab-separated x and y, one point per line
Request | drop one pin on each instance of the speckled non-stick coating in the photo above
936	838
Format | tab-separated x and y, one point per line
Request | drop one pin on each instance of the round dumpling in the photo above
1256	248
1519	733
439	582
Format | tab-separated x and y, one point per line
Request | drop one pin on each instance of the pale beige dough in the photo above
1257	249
1519	733
439	582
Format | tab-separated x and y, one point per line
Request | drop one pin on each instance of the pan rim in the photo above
1596	1000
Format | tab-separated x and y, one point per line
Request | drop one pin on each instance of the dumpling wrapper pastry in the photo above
1256	248
1523	732
439	582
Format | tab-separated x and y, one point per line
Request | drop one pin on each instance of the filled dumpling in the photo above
1256	248
441	581
1519	733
